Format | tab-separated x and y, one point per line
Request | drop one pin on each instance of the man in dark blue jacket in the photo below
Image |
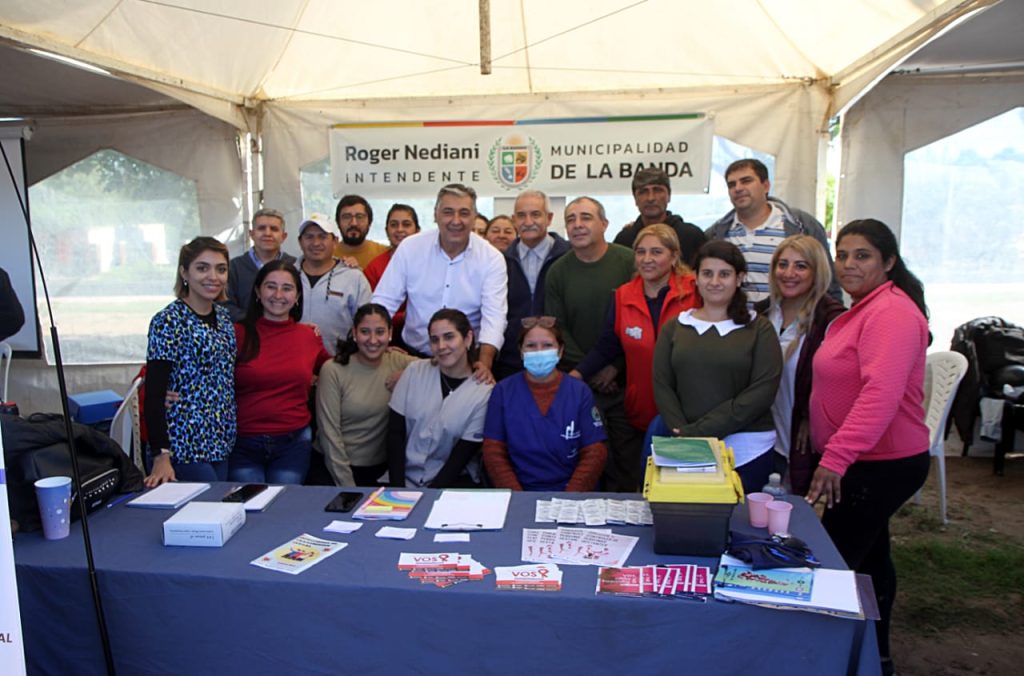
528	260
652	192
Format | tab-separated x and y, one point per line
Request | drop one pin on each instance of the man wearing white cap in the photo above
331	292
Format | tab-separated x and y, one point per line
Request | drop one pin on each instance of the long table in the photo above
174	610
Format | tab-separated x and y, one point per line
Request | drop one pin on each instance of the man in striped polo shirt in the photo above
759	222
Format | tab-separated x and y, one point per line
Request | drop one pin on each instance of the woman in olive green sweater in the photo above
717	368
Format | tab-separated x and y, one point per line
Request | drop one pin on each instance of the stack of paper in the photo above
442	570
387	504
169	495
576	546
298	554
594	512
664	581
539	577
833	592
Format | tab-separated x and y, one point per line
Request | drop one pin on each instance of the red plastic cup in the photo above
757	504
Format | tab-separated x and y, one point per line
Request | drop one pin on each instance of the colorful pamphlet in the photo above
833	592
387	504
539	577
299	554
576	546
770	582
662	581
443	569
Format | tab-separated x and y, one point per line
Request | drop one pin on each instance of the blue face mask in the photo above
541	363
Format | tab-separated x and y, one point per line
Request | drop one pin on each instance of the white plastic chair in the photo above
124	428
5	364
943	373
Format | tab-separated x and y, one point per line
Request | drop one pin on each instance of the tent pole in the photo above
485	37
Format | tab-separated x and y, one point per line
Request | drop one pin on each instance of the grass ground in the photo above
960	605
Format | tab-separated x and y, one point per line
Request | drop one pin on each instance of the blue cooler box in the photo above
93	407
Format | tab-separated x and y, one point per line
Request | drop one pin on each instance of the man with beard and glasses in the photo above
354	216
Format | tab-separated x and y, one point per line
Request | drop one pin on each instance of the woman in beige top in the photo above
352	400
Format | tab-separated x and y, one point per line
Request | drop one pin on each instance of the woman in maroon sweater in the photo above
800	310
277	360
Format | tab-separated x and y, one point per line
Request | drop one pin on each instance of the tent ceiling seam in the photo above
571	29
258	93
267	24
114	8
118	69
819	74
526	48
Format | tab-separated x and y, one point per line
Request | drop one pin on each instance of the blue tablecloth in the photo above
198	610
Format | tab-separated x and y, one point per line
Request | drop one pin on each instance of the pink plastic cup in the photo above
778	516
757	504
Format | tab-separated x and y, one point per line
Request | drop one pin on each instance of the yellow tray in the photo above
722	486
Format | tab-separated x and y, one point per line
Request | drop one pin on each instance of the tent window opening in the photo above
963	206
109	228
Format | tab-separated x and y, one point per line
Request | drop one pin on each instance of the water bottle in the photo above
774	486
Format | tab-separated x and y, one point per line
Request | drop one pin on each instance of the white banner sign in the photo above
12	649
581	156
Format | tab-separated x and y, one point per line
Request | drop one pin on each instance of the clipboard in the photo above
469	510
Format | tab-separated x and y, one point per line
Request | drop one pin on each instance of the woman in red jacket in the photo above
663	287
277	359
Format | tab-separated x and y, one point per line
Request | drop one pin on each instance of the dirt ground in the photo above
979	501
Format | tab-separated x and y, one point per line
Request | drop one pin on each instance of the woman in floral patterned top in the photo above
192	353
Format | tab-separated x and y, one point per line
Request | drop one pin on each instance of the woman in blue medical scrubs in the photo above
542	431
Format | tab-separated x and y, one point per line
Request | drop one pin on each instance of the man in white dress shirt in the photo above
451	268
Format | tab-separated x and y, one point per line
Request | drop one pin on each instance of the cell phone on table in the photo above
244	493
344	502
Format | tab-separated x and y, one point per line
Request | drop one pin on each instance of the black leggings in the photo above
871	492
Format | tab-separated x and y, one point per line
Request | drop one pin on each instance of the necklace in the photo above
449	385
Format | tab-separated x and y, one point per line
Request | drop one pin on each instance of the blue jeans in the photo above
753	474
201	471
271	458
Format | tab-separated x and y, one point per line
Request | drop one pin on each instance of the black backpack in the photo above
38	448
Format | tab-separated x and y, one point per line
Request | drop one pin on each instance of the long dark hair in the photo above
251	344
461	324
189	253
730	254
347	346
882	238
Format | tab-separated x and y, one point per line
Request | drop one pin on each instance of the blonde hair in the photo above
813	252
668	238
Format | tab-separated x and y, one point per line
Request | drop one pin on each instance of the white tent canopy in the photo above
186	81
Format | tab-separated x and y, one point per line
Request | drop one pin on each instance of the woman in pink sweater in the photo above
866	413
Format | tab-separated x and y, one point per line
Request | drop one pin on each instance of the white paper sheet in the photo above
469	510
170	495
392	533
261	500
451	537
343	527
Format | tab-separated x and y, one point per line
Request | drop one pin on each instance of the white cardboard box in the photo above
204	524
